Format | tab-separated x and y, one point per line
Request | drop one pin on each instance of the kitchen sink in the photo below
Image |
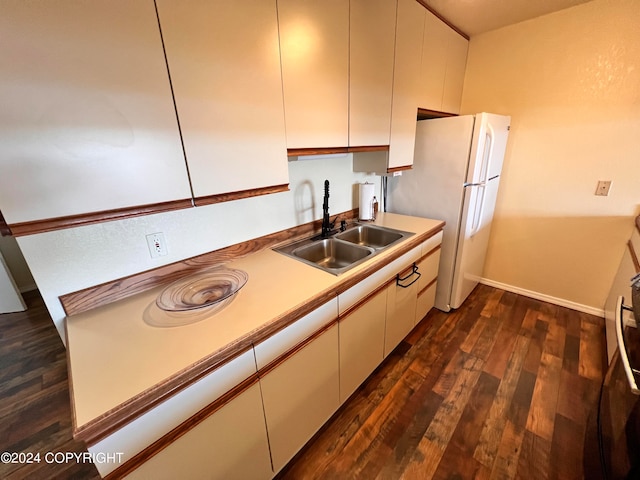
345	250
332	254
371	236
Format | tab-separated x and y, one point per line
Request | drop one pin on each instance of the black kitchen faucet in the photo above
327	226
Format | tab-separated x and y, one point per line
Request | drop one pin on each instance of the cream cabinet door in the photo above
300	395
401	309
224	62
314	44
406	82
230	444
361	343
457	49
444	59
87	122
434	62
371	43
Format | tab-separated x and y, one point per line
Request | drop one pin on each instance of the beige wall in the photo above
571	83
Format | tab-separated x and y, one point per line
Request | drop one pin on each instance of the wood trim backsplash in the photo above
108	292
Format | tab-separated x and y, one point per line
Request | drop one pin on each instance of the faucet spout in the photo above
326	223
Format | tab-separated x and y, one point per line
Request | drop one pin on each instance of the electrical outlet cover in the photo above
157	245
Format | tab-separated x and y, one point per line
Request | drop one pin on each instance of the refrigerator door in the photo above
434	187
488	147
481	192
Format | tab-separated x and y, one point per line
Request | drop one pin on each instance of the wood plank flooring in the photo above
500	388
35	413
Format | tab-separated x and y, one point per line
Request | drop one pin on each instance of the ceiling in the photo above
477	16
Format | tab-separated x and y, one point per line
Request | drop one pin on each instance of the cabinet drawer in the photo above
146	429
431	243
274	346
353	295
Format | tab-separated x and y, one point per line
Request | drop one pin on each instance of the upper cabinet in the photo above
457	49
87	118
224	62
444	57
406	83
371	45
314	43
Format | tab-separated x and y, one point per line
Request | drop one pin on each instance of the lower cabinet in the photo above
300	394
361	342
428	267
230	444
402	297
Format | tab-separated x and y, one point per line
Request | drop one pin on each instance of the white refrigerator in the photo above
455	177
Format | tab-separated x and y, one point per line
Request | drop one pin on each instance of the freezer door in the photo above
487	147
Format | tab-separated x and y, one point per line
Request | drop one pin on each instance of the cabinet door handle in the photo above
622	349
414	271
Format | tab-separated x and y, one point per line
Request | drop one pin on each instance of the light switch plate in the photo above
603	188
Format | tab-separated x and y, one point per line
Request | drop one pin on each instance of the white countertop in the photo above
115	356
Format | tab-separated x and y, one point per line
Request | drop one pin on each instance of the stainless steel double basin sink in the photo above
344	250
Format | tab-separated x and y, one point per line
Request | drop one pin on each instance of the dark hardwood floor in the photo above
35	413
500	388
497	389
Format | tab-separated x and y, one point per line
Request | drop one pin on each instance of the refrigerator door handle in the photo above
486	157
480	184
477	212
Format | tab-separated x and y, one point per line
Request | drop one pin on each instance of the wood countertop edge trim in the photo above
114	419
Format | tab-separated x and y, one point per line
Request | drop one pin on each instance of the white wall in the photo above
571	83
69	260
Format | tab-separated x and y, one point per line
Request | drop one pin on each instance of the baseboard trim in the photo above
598	312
